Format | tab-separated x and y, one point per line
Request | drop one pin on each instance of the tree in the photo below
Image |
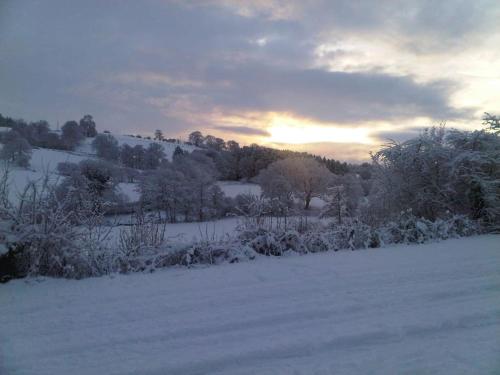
87	124
106	147
214	143
72	134
91	184
15	149
439	172
38	133
158	135
200	173
138	157
126	156
153	156
196	138
178	152
306	177
492	122
164	190
336	203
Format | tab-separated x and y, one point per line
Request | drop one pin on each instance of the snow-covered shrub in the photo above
291	240
315	242
217	253
410	229
461	226
15	149
43	240
267	244
143	233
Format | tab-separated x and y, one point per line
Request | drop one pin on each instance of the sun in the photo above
290	130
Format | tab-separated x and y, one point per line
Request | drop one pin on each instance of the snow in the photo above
184	232
130	190
46	160
43	159
428	309
168	147
233	188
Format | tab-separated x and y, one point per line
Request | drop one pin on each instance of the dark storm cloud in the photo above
144	65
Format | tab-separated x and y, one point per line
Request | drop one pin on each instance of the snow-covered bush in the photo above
316	242
437	172
217	253
15	149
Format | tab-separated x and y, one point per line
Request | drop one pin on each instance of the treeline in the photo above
235	162
39	134
134	157
23	136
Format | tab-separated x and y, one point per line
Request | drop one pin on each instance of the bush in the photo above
15	149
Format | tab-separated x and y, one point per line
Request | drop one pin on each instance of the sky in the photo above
333	77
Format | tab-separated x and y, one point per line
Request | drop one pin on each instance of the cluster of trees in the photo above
135	157
15	149
184	188
90	183
235	162
22	136
437	173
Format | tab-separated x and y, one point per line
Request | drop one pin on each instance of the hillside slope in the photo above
46	160
429	309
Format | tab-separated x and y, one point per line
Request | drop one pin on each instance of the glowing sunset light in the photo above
296	131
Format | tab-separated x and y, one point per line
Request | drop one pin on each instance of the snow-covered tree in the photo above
106	147
304	177
88	126
15	149
336	203
439	172
72	134
196	138
158	135
164	190
492	122
153	156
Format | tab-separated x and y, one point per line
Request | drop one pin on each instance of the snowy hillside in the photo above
45	160
429	309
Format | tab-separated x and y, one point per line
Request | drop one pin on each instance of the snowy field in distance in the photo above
233	188
427	309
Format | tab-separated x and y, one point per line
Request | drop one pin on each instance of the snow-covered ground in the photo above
428	309
183	232
234	188
45	161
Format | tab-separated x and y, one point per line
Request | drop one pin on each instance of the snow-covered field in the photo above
428	309
184	232
233	188
44	161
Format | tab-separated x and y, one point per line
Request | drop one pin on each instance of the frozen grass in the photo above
427	309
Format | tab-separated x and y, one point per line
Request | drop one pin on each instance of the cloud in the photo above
397	135
243	130
181	65
330	96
